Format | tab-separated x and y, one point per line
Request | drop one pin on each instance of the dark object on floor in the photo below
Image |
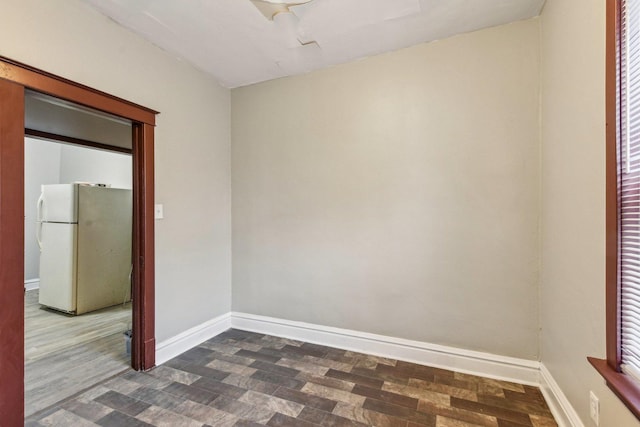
127	341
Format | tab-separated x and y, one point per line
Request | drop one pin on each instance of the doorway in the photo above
15	79
78	292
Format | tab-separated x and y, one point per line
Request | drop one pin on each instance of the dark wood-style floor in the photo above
246	379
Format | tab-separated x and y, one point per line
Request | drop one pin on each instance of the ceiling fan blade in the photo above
285	20
270	8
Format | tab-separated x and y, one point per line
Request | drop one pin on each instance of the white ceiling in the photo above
236	43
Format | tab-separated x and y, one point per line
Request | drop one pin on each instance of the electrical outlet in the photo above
594	407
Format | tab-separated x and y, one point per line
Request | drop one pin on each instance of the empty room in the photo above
344	212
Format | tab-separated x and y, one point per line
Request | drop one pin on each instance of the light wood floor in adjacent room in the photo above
66	354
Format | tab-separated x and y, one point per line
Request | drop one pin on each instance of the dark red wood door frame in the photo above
143	352
14	79
11	253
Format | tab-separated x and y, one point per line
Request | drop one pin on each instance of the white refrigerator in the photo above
84	232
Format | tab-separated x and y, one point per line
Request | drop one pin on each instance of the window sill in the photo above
624	387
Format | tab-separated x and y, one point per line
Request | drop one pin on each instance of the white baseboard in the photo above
30	285
467	361
190	338
460	360
561	408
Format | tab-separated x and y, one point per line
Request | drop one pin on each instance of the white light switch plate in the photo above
159	212
594	407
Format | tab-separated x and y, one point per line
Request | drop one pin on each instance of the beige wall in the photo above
193	257
396	195
573	216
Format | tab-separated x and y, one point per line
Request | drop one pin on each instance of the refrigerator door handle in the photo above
39	220
39	207
39	234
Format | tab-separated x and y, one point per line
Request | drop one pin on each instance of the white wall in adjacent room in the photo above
99	166
41	166
49	162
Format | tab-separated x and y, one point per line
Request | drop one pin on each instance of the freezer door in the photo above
59	203
58	266
104	247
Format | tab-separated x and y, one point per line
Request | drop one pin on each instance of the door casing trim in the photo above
15	78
